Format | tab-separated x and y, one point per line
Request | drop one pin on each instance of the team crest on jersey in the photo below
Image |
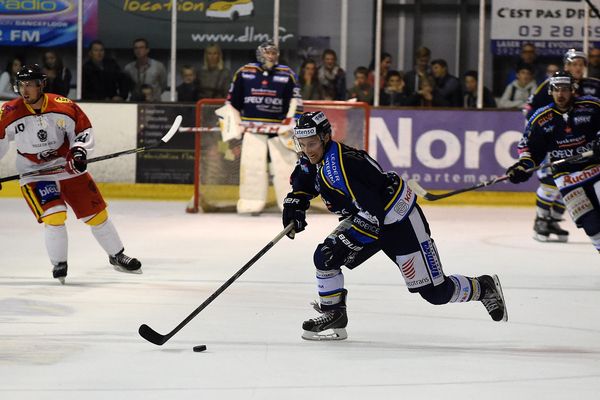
62	100
42	135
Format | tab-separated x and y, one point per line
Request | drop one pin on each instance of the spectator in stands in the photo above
145	71
447	86
310	87
214	77
147	93
362	89
8	78
518	91
527	55
394	92
332	77
428	96
594	63
58	77
189	89
551	69
102	78
413	78
470	95
385	64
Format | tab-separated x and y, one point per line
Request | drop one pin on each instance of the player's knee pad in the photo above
97	219
439	294
55	219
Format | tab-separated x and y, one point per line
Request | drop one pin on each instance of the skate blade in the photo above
61	280
562	238
121	269
546	239
499	287
541	238
328	334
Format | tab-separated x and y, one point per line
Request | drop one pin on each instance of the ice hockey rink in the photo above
80	340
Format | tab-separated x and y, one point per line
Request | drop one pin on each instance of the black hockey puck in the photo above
199	348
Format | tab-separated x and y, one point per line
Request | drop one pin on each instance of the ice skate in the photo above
493	298
330	325
123	263
555	229
60	271
544	227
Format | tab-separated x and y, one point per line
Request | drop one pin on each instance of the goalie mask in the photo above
267	54
313	123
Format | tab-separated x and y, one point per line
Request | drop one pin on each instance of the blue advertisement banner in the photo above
448	149
45	23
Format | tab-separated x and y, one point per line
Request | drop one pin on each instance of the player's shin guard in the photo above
107	236
56	239
465	289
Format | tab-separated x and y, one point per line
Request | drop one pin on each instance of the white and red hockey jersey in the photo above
44	137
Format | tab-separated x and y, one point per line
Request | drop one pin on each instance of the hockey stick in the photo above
154	337
174	128
252	127
420	191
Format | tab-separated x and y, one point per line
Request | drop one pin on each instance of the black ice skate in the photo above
544	227
123	263
492	297
330	325
60	271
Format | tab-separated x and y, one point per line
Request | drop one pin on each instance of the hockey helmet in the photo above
312	123
263	49
561	78
29	72
573	54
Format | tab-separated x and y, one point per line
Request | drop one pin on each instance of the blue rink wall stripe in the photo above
161	191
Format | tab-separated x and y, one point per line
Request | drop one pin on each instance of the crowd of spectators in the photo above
428	84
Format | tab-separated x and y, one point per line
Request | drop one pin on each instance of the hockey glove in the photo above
518	172
294	210
340	250
76	160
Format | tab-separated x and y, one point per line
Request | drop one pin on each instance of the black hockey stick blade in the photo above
420	191
154	337
174	128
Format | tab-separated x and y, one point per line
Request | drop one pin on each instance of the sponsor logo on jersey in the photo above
575	178
246	75
413	270
544	118
331	169
46	192
42	135
582	119
281	79
62	100
431	258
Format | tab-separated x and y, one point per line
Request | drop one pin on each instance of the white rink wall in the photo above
115	129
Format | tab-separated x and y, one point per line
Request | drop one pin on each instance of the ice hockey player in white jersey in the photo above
262	93
379	213
52	131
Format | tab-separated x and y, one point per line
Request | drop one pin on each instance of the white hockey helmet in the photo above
573	54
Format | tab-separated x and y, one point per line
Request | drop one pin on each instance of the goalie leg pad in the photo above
253	174
283	162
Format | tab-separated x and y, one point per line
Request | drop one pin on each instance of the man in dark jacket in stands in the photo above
446	85
102	77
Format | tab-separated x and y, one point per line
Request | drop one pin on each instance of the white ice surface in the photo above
80	340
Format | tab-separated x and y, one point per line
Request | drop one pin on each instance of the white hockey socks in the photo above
465	289
57	242
330	285
107	236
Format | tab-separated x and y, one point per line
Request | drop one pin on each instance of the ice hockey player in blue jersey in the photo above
568	126
266	94
549	203
379	213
